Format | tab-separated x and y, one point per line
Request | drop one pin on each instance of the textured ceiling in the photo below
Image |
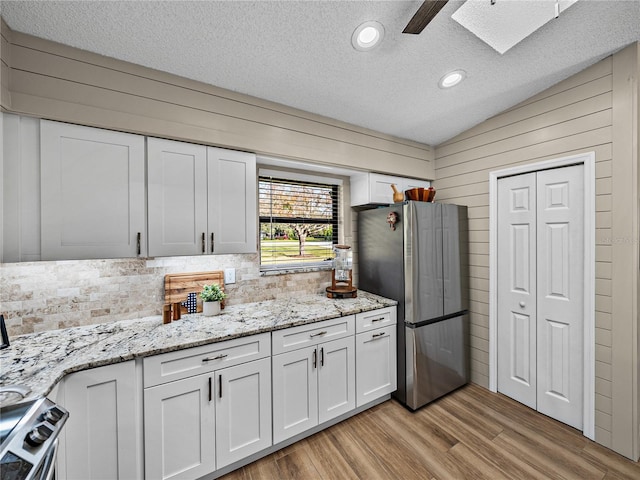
298	53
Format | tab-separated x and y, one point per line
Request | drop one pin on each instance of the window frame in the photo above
296	177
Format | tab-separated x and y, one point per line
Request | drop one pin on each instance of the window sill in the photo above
292	269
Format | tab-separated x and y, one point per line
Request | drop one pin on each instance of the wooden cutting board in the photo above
177	286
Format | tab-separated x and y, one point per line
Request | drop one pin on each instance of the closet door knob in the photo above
522	305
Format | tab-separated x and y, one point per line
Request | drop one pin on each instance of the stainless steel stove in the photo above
29	432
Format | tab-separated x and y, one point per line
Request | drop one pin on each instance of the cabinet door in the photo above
295	393
376	364
243	411
103	431
92	192
232	201
336	378
408	183
177	198
179	429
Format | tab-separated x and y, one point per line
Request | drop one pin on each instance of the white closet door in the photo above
540	291
560	293
517	288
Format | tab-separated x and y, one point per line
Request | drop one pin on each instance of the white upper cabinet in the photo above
92	193
233	223
201	200
177	197
374	188
72	192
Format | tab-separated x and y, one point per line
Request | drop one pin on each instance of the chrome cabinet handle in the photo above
138	241
377	335
212	241
315	359
377	319
322	357
209	359
203	242
324	332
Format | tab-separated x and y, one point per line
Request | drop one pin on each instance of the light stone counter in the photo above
40	360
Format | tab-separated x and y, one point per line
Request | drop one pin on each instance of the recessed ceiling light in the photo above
367	36
452	78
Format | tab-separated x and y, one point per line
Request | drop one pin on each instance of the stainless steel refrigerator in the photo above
421	261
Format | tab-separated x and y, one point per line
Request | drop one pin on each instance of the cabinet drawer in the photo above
302	336
366	321
168	367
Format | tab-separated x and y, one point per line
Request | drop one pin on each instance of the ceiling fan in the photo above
427	11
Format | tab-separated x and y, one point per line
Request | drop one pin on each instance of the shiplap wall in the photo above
572	117
57	82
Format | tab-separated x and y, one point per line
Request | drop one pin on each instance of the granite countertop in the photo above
41	360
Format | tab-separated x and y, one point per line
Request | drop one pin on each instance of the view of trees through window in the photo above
298	221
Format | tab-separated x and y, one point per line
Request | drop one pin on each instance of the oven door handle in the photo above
48	469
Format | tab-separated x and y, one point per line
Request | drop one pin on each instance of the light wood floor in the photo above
469	434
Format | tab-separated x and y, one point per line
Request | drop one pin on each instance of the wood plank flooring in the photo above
469	434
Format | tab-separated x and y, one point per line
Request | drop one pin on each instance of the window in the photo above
298	223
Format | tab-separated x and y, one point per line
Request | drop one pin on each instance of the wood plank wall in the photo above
572	117
54	81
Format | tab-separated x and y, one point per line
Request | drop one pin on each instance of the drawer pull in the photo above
377	335
324	332
377	319
208	359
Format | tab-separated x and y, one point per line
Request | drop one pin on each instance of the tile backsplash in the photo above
37	296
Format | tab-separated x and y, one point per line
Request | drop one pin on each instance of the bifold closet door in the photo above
517	288
540	291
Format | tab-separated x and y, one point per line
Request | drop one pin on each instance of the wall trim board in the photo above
5	62
58	82
625	255
89	58
589	74
588	160
36	62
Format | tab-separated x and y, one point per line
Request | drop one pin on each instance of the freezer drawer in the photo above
437	360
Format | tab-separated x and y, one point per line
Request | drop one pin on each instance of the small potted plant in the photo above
211	296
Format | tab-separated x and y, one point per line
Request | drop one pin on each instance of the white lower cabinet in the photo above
376	364
179	429
213	406
376	361
243	411
311	386
102	438
195	425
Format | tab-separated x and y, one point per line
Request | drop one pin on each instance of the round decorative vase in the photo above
210	309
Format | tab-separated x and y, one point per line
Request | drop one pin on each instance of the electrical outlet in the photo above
229	276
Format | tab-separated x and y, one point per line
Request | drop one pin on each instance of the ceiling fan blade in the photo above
427	11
